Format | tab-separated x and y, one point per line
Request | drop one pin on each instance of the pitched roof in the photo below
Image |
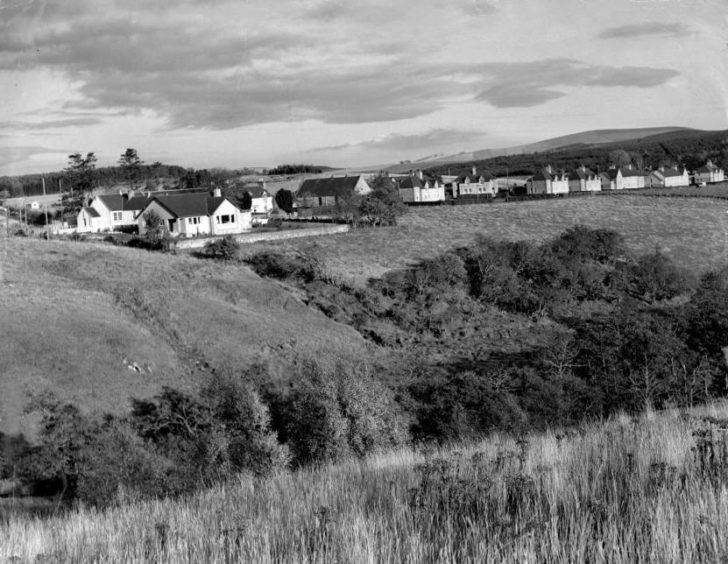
583	174
118	202
475	178
708	167
412	182
190	205
256	190
334	186
671	172
633	172
91	212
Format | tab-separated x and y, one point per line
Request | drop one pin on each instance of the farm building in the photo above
321	192
547	181
584	180
709	173
475	184
197	213
415	188
675	177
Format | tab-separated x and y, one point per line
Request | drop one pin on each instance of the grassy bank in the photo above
631	489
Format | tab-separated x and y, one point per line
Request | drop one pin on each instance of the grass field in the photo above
718	190
694	232
627	490
97	324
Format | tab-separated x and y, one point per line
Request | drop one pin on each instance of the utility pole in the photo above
45	203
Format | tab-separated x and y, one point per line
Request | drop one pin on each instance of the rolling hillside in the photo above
583	139
97	324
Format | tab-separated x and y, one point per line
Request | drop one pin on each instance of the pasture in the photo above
625	490
691	231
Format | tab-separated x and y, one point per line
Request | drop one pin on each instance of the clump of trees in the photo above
296	169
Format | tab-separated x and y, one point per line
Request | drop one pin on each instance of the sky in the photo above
345	83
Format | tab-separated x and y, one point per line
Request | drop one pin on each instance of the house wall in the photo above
672	181
560	186
262	205
465	188
241	221
176	228
712	176
88	224
409	195
362	187
633	182
539	186
434	194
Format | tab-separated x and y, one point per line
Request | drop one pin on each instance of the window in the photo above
225	219
193	220
116	216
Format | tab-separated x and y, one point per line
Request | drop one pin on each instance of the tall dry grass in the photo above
628	490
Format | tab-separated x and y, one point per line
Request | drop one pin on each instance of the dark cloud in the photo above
534	83
645	29
399	142
49	124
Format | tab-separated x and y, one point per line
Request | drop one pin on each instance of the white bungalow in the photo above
112	211
197	213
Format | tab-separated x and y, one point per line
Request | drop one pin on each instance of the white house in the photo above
475	184
584	180
709	173
415	188
547	181
113	211
262	201
320	192
674	177
197	213
623	179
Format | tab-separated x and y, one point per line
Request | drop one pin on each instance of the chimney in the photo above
216	193
420	175
474	170
549	169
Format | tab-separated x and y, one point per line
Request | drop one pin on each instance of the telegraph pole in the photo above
45	203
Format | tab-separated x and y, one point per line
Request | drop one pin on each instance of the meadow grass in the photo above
693	232
649	488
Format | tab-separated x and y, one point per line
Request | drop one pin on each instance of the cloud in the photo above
12	155
645	29
530	84
434	138
253	62
49	124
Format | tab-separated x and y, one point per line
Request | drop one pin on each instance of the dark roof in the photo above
708	167
189	205
118	202
475	178
581	174
411	182
633	172
91	212
671	172
322	187
256	191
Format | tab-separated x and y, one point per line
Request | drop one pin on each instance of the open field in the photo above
718	190
694	232
627	490
97	324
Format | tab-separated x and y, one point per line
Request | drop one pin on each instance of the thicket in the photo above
619	332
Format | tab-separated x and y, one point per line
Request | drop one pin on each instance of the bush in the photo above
226	248
272	264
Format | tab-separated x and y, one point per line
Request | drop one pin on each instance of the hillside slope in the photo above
97	324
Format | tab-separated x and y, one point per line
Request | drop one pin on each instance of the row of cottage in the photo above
195	213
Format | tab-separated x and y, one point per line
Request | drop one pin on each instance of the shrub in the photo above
272	264
226	248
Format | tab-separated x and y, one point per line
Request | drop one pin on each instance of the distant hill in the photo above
583	139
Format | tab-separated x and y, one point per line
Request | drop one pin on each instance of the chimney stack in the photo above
474	170
216	193
420	175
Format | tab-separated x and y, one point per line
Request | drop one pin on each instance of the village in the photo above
209	213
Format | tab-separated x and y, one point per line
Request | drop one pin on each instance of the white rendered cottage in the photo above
709	173
197	213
